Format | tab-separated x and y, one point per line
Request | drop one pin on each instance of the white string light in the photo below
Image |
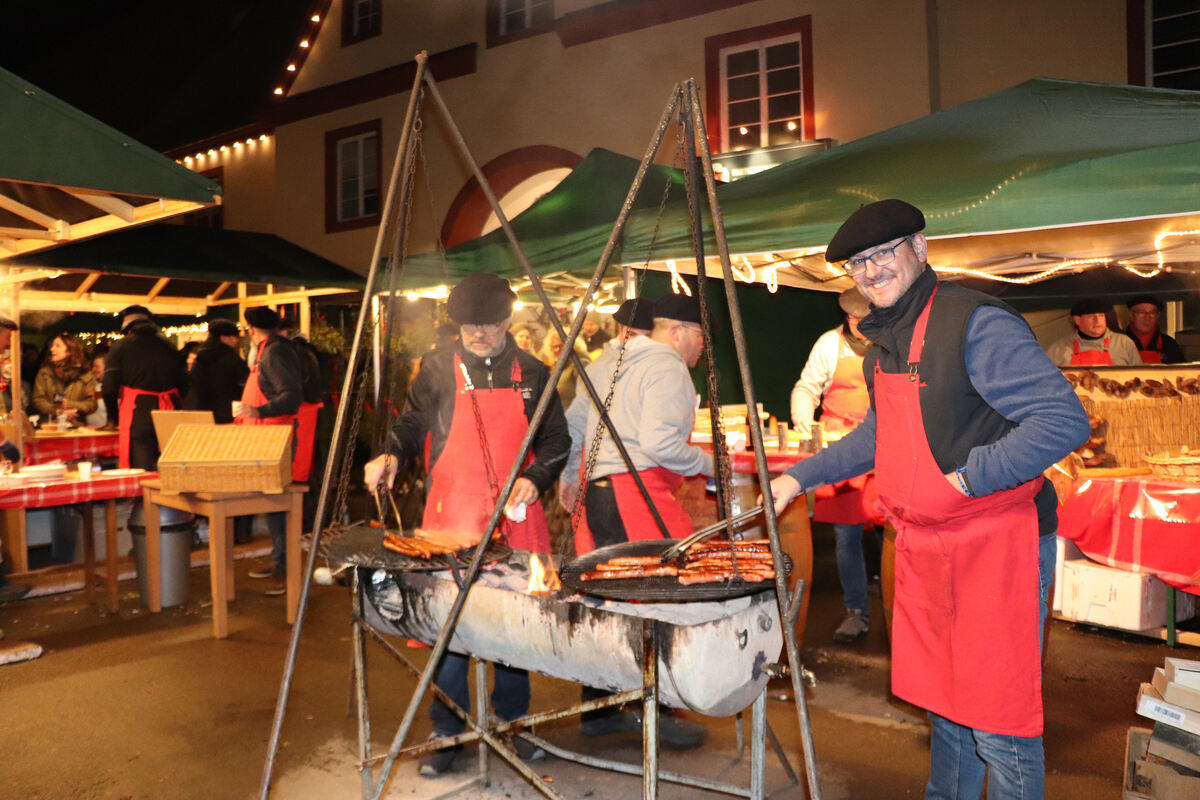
746	273
678	284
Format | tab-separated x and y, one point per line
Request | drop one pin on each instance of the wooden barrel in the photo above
887	574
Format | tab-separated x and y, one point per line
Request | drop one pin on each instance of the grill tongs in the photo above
682	545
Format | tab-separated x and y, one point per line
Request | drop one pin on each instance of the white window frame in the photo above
502	23
362	141
353	7
763	96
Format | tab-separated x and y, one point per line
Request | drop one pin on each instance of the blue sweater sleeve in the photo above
853	454
1014	376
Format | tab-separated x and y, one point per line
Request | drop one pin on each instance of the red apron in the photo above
460	495
252	395
1090	358
1149	356
965	639
129	396
854	501
661	484
306	437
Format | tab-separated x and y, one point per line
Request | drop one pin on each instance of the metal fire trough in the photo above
591	641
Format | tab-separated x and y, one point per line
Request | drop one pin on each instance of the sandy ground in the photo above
136	705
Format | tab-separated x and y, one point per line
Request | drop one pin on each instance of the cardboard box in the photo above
1114	598
227	458
1066	550
1147	779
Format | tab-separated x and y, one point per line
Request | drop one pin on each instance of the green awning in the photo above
197	254
564	231
65	175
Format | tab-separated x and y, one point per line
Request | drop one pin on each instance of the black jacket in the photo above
430	407
215	380
279	378
144	360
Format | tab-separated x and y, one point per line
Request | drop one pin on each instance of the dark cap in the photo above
1090	305
681	307
481	298
262	318
637	312
1143	298
134	309
7	324
874	224
222	327
853	303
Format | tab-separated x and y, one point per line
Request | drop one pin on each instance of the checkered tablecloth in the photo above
70	490
71	446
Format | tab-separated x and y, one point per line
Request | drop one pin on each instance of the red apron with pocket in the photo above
461	497
1091	358
661	484
845	405
306	439
129	395
965	641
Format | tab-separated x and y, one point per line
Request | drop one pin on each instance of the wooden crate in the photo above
1138	425
227	458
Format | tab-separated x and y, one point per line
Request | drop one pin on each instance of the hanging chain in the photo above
600	432
493	482
337	513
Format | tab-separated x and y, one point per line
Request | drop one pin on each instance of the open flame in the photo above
543	580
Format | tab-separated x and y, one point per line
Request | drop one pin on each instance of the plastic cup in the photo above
85	470
237	407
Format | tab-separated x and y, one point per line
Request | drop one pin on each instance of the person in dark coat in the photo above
143	372
272	396
308	464
218	374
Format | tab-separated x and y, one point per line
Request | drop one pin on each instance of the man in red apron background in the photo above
1154	346
1092	343
478	397
653	409
833	378
271	396
966	411
143	372
308	464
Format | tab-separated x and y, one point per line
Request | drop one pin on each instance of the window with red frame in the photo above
361	19
762	93
512	18
352	176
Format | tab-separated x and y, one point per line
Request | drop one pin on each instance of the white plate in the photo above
117	473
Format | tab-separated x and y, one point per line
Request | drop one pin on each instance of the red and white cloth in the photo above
69	447
70	490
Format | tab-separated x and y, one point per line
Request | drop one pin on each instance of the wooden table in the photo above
70	446
221	508
16	498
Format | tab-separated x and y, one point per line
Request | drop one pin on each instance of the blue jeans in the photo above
960	757
852	568
277	527
510	694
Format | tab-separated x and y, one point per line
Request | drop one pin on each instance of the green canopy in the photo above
564	231
1045	154
65	175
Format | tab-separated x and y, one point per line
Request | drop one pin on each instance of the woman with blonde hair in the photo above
65	384
551	349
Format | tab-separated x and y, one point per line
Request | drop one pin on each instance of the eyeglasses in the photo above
880	258
487	327
1153	313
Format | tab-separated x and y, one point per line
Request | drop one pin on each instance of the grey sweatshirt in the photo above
653	409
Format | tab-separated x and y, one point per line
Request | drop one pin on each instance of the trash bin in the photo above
175	557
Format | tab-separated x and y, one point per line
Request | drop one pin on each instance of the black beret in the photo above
637	312
481	298
683	308
1143	298
853	303
7	324
1090	305
262	318
134	309
222	327
874	224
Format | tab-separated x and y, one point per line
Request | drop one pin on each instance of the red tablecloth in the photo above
70	446
71	490
1140	524
743	460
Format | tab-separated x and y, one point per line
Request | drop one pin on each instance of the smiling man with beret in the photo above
479	396
966	411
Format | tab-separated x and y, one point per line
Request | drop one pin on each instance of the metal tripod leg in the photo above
359	651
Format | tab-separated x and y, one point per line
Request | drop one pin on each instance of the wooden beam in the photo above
156	290
33	300
24	234
106	202
219	291
280	297
32	214
87	284
150	212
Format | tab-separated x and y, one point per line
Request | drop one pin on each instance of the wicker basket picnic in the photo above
227	458
1180	465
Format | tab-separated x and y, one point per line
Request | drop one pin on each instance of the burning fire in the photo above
542	580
